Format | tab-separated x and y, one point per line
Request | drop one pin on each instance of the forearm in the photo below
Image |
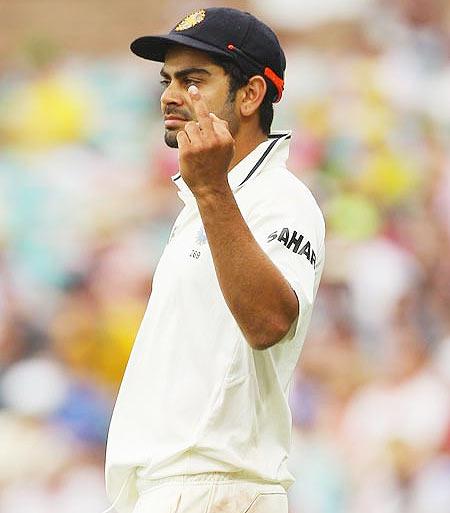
259	297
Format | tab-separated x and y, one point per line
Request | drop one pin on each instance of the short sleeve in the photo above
291	233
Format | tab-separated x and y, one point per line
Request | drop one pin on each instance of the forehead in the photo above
178	57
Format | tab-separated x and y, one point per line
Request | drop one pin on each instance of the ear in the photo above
252	95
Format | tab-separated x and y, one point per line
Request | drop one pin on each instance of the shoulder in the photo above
278	192
290	188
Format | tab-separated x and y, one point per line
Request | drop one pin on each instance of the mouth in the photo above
174	121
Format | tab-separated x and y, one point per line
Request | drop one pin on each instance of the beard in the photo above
170	138
227	113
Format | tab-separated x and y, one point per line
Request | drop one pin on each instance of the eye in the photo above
164	83
188	81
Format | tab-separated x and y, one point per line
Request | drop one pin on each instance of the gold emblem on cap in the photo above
191	20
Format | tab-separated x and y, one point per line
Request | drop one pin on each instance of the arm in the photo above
259	297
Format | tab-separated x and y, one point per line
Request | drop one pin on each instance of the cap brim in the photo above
154	48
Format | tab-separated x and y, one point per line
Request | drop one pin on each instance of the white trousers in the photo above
209	493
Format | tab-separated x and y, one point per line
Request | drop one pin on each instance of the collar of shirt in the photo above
275	150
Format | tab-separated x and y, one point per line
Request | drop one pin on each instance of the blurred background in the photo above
86	206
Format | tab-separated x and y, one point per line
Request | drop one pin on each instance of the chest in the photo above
186	260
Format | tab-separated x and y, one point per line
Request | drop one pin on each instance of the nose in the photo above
171	96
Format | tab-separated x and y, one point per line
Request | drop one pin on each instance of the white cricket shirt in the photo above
195	397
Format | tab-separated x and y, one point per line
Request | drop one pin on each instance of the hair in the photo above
238	79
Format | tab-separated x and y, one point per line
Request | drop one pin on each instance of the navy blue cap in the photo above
225	32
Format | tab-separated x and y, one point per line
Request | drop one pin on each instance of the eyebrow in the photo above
185	72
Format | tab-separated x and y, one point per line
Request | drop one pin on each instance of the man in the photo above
202	422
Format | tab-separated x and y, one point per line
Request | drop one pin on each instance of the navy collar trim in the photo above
274	139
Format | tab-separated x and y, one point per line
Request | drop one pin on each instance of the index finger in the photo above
200	108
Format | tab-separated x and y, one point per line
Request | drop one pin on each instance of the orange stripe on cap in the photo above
276	81
268	72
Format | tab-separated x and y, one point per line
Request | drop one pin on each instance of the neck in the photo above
245	143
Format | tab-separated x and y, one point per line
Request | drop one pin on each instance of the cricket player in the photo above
202	423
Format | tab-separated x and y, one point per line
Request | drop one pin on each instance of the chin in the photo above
170	138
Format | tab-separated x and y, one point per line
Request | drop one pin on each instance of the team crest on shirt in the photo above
201	238
191	20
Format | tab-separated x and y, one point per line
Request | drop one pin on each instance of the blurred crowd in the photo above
86	206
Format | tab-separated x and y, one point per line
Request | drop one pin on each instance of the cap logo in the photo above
191	20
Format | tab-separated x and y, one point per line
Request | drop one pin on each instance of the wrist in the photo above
212	192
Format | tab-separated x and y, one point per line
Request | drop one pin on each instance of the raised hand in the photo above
206	148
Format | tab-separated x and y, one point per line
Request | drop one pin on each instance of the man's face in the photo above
182	68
